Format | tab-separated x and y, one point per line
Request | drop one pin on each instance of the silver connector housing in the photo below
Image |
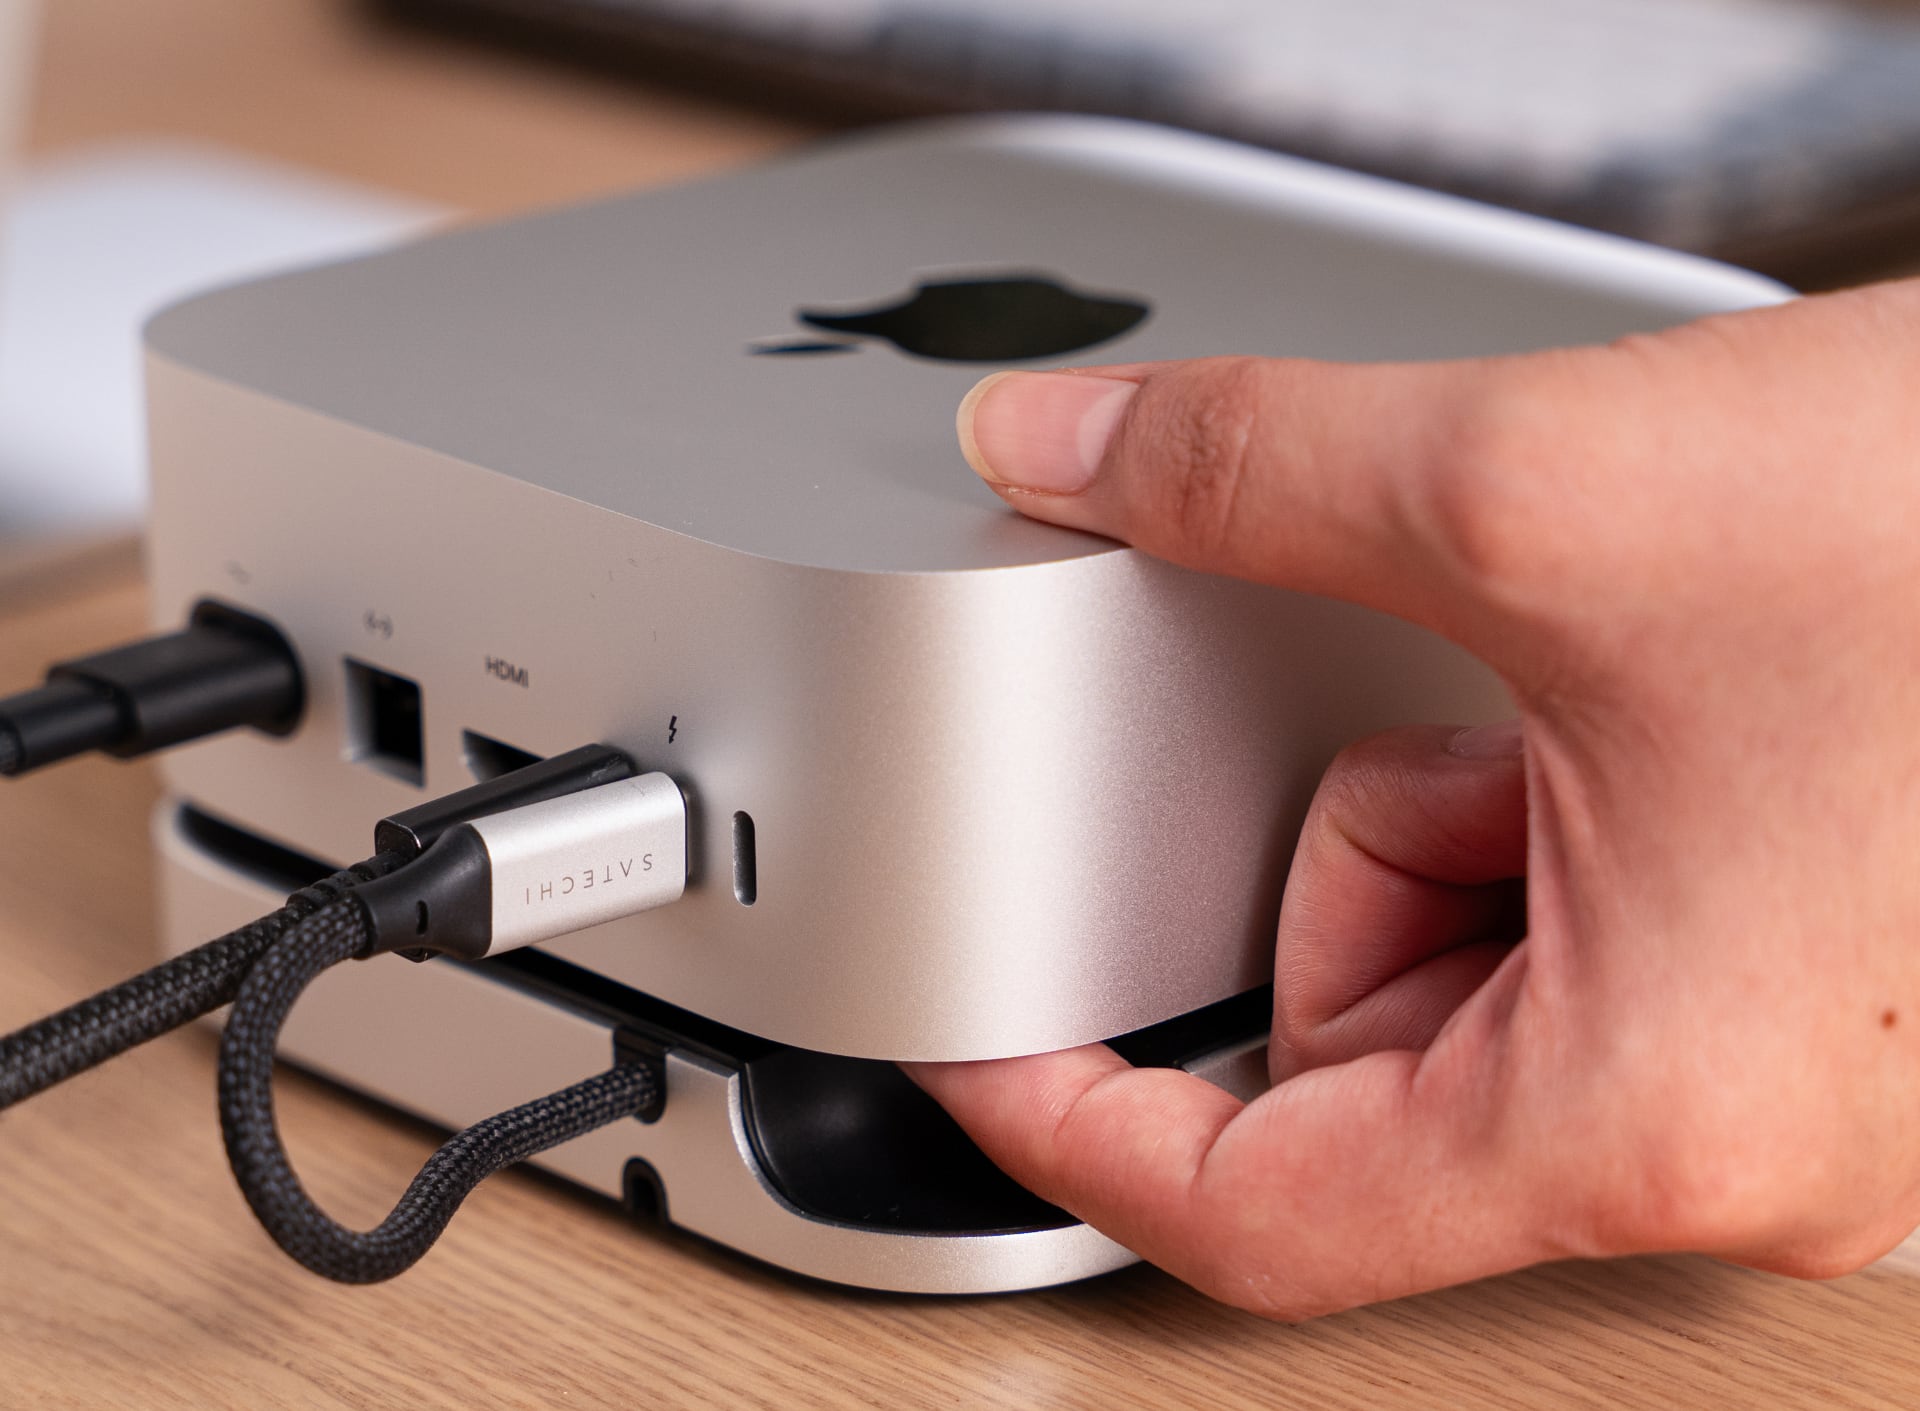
599	855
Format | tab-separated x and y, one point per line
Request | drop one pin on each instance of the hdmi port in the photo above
489	758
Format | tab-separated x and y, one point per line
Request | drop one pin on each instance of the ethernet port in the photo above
383	722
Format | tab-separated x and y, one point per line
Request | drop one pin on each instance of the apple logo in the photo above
985	320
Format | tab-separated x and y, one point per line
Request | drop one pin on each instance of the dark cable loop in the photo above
170	994
10	753
260	1161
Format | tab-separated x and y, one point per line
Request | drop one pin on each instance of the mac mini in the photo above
677	473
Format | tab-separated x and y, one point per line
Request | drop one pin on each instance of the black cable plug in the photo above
633	1089
563	844
527	872
224	669
574	842
199	981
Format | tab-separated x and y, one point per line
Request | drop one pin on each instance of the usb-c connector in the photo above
563	844
572	842
527	874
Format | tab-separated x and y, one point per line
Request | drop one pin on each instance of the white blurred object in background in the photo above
93	244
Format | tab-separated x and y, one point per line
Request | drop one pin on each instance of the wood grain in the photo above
130	1272
315	83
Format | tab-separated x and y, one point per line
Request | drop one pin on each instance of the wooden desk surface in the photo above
132	1275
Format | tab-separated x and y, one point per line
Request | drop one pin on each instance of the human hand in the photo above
1695	559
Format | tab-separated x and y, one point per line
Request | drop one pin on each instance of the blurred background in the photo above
161	146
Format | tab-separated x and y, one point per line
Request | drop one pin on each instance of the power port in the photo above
489	758
383	722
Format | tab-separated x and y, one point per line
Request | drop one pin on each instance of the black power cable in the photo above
225	669
175	992
259	1159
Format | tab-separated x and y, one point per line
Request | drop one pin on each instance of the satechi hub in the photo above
958	785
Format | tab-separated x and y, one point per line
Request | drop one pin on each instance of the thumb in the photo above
1386	1175
1356	481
